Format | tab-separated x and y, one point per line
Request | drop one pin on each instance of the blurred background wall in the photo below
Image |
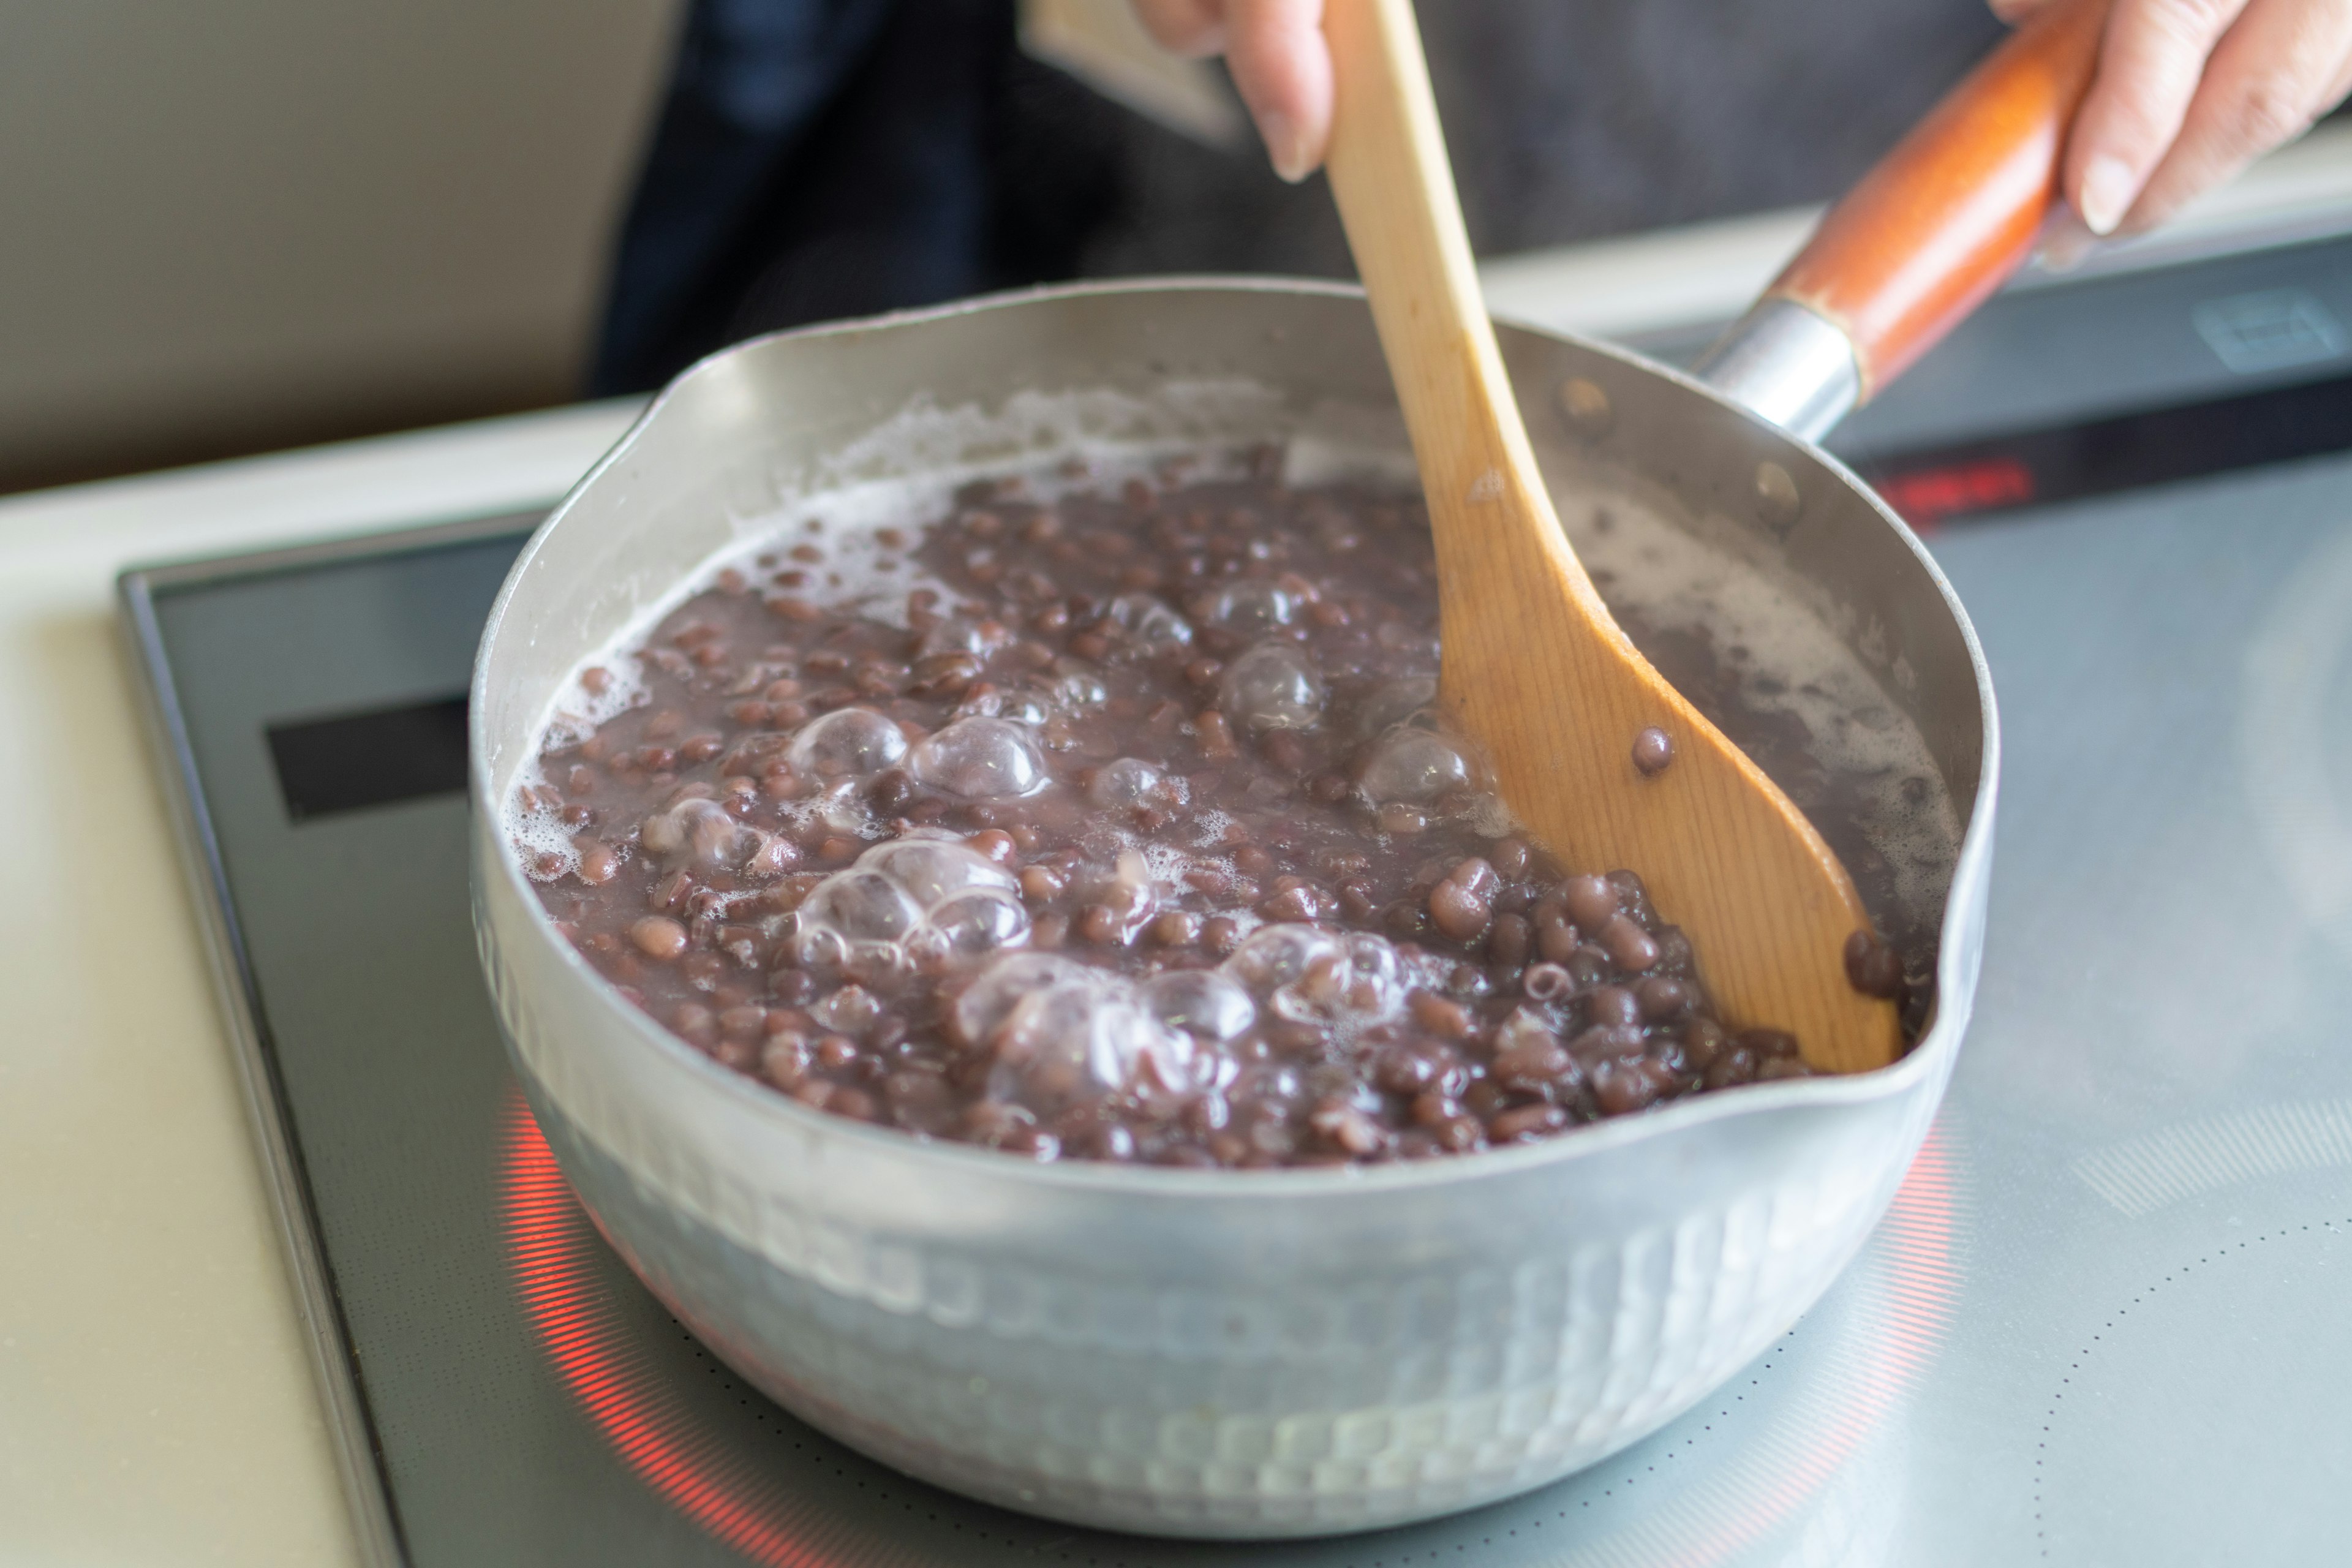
227	226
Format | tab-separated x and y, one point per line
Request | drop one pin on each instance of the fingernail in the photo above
2063	251
2063	241
2108	187
1284	145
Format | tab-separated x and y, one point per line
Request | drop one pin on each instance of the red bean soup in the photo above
1108	815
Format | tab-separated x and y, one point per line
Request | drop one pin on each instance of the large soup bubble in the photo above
854	916
1024	706
919	903
1273	687
1342	980
976	924
1414	766
992	994
1203	1003
699	833
1057	1032
981	759
959	634
1062	1047
1150	624
1128	783
933	870
1394	702
1078	690
1251	606
848	742
1278	955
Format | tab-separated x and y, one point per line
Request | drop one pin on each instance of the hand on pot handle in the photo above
2187	92
1934	228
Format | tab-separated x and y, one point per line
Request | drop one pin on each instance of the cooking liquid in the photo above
1265	913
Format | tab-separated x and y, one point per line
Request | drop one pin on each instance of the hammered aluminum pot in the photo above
1264	1353
1199	1351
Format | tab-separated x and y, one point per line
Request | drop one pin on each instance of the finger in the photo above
1190	27
2270	77
2149	63
2015	11
1283	68
2338	89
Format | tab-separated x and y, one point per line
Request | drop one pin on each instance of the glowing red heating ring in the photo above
558	1273
1922	1281
559	1264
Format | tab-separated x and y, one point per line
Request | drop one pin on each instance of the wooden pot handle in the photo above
1953	210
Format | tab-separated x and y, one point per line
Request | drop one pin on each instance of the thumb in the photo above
1283	68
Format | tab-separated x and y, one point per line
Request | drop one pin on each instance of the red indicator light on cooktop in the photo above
1925	497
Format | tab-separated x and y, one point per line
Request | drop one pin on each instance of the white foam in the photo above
541	833
581	711
904	474
1062	1029
1211	823
541	837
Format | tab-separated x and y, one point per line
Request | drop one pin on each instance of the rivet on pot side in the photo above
1777	501
1587	408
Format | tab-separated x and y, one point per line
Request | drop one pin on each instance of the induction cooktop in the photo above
2107	1321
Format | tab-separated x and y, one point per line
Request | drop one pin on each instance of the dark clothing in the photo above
819	159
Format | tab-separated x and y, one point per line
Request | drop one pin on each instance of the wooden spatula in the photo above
1534	666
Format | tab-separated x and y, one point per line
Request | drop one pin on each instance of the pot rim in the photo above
1927	1060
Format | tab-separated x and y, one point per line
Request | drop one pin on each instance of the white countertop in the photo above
156	1401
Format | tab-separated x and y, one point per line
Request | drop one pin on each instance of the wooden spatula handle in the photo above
1414	254
1953	210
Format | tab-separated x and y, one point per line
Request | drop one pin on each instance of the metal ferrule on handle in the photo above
1787	363
1942	220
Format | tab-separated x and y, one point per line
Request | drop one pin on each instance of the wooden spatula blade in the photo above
1534	666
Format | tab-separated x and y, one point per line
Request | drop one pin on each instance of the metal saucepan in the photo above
1219	1353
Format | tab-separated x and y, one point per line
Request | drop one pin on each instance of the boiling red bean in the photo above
1628	945
659	937
1590	901
1872	967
